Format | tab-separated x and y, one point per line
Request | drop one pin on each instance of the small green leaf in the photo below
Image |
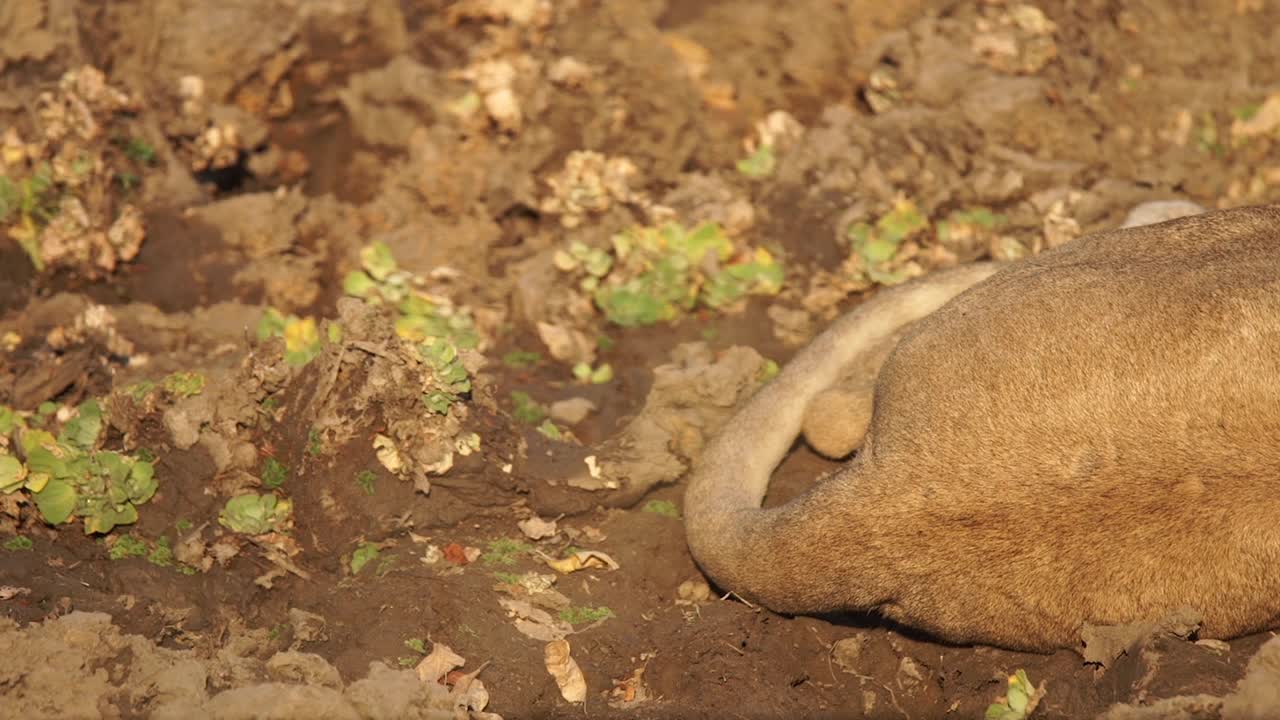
357	283
1017	699
271	325
184	384
274	473
438	402
82	431
525	409
254	514
579	615
758	164
602	374
550	430
56	501
665	508
109	516
142	482
12	473
127	546
521	359
362	555
43	459
378	260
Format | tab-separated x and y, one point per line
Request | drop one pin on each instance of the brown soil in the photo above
1115	104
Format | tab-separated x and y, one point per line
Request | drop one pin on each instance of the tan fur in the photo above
838	417
1089	435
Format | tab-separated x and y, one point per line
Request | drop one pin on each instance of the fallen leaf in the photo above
629	691
8	592
565	670
438	663
582	560
385	449
534	622
454	553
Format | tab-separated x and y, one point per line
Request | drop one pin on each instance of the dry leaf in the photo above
456	554
385	449
8	592
438	663
582	560
629	691
562	666
534	622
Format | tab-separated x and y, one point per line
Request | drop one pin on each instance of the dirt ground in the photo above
402	304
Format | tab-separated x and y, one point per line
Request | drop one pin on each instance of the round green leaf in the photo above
1017	699
56	501
12	473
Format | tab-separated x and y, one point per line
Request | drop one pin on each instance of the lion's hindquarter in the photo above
1077	440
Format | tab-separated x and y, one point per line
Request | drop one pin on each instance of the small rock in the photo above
693	592
570	72
572	410
535	528
847	651
306	626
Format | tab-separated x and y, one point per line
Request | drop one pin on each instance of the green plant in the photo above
254	514
385	565
274	473
579	615
140	151
127	546
504	551
361	556
450	375
878	244
1019	700
184	384
365	479
18	542
67	476
29	204
583	372
302	338
521	359
550	430
525	409
769	370
420	318
665	508
161	554
417	645
315	443
656	273
758	164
